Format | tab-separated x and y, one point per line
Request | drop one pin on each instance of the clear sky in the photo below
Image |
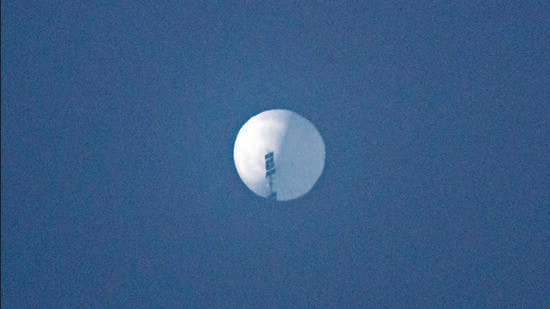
118	182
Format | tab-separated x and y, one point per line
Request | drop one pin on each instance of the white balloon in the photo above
297	147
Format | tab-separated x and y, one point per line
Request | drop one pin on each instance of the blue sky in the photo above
118	183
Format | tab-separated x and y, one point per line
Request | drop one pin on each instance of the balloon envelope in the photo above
297	149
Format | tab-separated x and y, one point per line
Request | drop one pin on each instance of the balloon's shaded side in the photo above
298	154
302	159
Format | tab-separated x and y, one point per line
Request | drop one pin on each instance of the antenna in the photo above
269	171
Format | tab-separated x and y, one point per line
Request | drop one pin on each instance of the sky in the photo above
119	189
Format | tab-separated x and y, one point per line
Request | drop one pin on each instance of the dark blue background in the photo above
118	183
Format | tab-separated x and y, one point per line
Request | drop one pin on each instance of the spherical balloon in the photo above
279	154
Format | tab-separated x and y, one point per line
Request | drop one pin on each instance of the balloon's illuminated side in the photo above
279	154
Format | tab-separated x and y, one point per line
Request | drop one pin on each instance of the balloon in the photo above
279	154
